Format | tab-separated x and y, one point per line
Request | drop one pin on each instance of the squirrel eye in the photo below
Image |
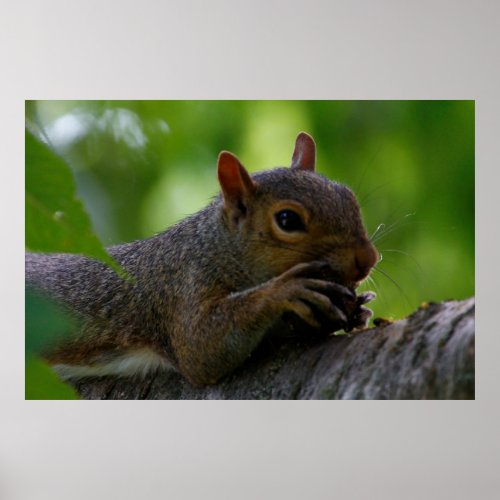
288	220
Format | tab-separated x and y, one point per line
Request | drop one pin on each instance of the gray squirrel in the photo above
281	243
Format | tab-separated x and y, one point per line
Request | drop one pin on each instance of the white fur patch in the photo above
138	362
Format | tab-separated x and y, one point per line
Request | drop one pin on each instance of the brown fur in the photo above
206	291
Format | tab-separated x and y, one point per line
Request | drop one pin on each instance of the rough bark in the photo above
428	355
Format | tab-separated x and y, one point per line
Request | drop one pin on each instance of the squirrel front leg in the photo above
223	334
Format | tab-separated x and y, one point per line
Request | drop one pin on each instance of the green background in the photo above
140	166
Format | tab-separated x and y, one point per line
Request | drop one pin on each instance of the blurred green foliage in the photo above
42	383
142	165
45	324
56	220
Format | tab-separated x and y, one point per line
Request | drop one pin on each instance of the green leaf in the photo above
56	220
45	323
42	383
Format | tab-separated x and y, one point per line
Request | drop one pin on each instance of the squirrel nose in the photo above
365	257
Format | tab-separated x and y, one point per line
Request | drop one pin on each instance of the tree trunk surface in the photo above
428	355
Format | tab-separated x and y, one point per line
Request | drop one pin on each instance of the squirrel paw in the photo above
360	314
315	301
323	305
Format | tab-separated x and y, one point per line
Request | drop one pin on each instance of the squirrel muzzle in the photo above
365	258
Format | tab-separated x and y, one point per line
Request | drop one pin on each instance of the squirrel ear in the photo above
304	154
236	183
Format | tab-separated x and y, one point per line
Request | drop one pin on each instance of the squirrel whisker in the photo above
395	225
395	283
405	254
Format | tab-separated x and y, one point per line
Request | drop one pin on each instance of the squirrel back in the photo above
204	293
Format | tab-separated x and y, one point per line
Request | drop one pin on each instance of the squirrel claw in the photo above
365	297
359	318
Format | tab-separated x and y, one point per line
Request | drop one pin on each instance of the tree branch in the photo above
428	355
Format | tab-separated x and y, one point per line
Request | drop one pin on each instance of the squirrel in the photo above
281	243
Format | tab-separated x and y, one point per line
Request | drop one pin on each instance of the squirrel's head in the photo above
286	216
